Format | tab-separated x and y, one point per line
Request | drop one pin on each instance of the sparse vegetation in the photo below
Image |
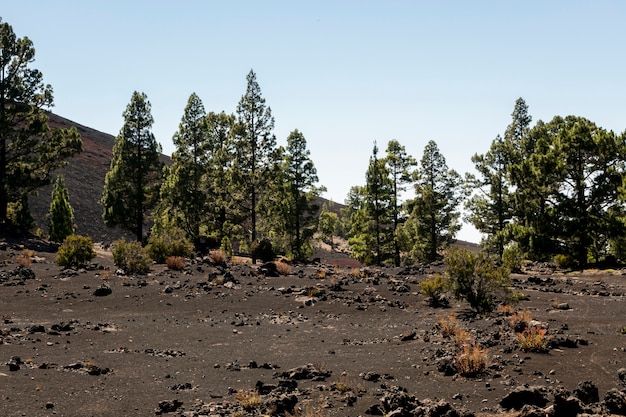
217	256
448	326
170	242
249	400
513	257
433	288
75	251
475	278
471	360
132	257
175	263
283	268
533	339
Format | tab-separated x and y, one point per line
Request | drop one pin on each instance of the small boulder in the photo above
523	395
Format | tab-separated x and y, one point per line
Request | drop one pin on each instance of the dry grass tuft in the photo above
175	263
471	360
24	260
249	400
283	268
217	256
448	326
533	339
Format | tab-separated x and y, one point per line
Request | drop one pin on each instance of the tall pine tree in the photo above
256	152
301	192
131	186
400	166
434	218
183	200
29	150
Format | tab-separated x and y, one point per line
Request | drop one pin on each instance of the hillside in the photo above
84	177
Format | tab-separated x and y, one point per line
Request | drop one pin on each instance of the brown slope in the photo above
84	177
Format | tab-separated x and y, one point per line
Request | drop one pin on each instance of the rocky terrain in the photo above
228	339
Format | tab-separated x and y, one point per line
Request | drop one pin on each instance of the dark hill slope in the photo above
84	177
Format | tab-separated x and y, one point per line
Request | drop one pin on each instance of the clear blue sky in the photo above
344	73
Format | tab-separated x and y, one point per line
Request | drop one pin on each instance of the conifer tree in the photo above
433	221
132	184
61	215
370	214
301	192
490	209
29	150
256	152
400	166
183	199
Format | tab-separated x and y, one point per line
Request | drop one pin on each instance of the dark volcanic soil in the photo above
186	342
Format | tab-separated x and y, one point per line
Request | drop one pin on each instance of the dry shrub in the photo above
448	326
217	256
175	263
505	310
24	260
471	360
463	338
533	339
249	400
321	273
283	268
520	319
240	260
312	292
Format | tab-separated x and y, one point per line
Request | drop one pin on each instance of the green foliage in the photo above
30	150
369	215
434	288
475	278
328	225
132	257
400	167
131	186
564	261
226	246
75	251
513	257
19	214
61	215
263	250
169	242
434	217
256	155
299	195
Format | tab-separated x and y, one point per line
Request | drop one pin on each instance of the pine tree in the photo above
225	215
256	151
328	224
491	207
61	215
300	179
370	214
184	196
433	221
400	166
29	150
132	184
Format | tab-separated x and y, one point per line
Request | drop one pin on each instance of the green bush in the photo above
564	261
132	257
263	250
475	278
433	288
226	246
513	257
75	251
170	242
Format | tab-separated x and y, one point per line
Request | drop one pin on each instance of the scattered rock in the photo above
523	395
102	291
